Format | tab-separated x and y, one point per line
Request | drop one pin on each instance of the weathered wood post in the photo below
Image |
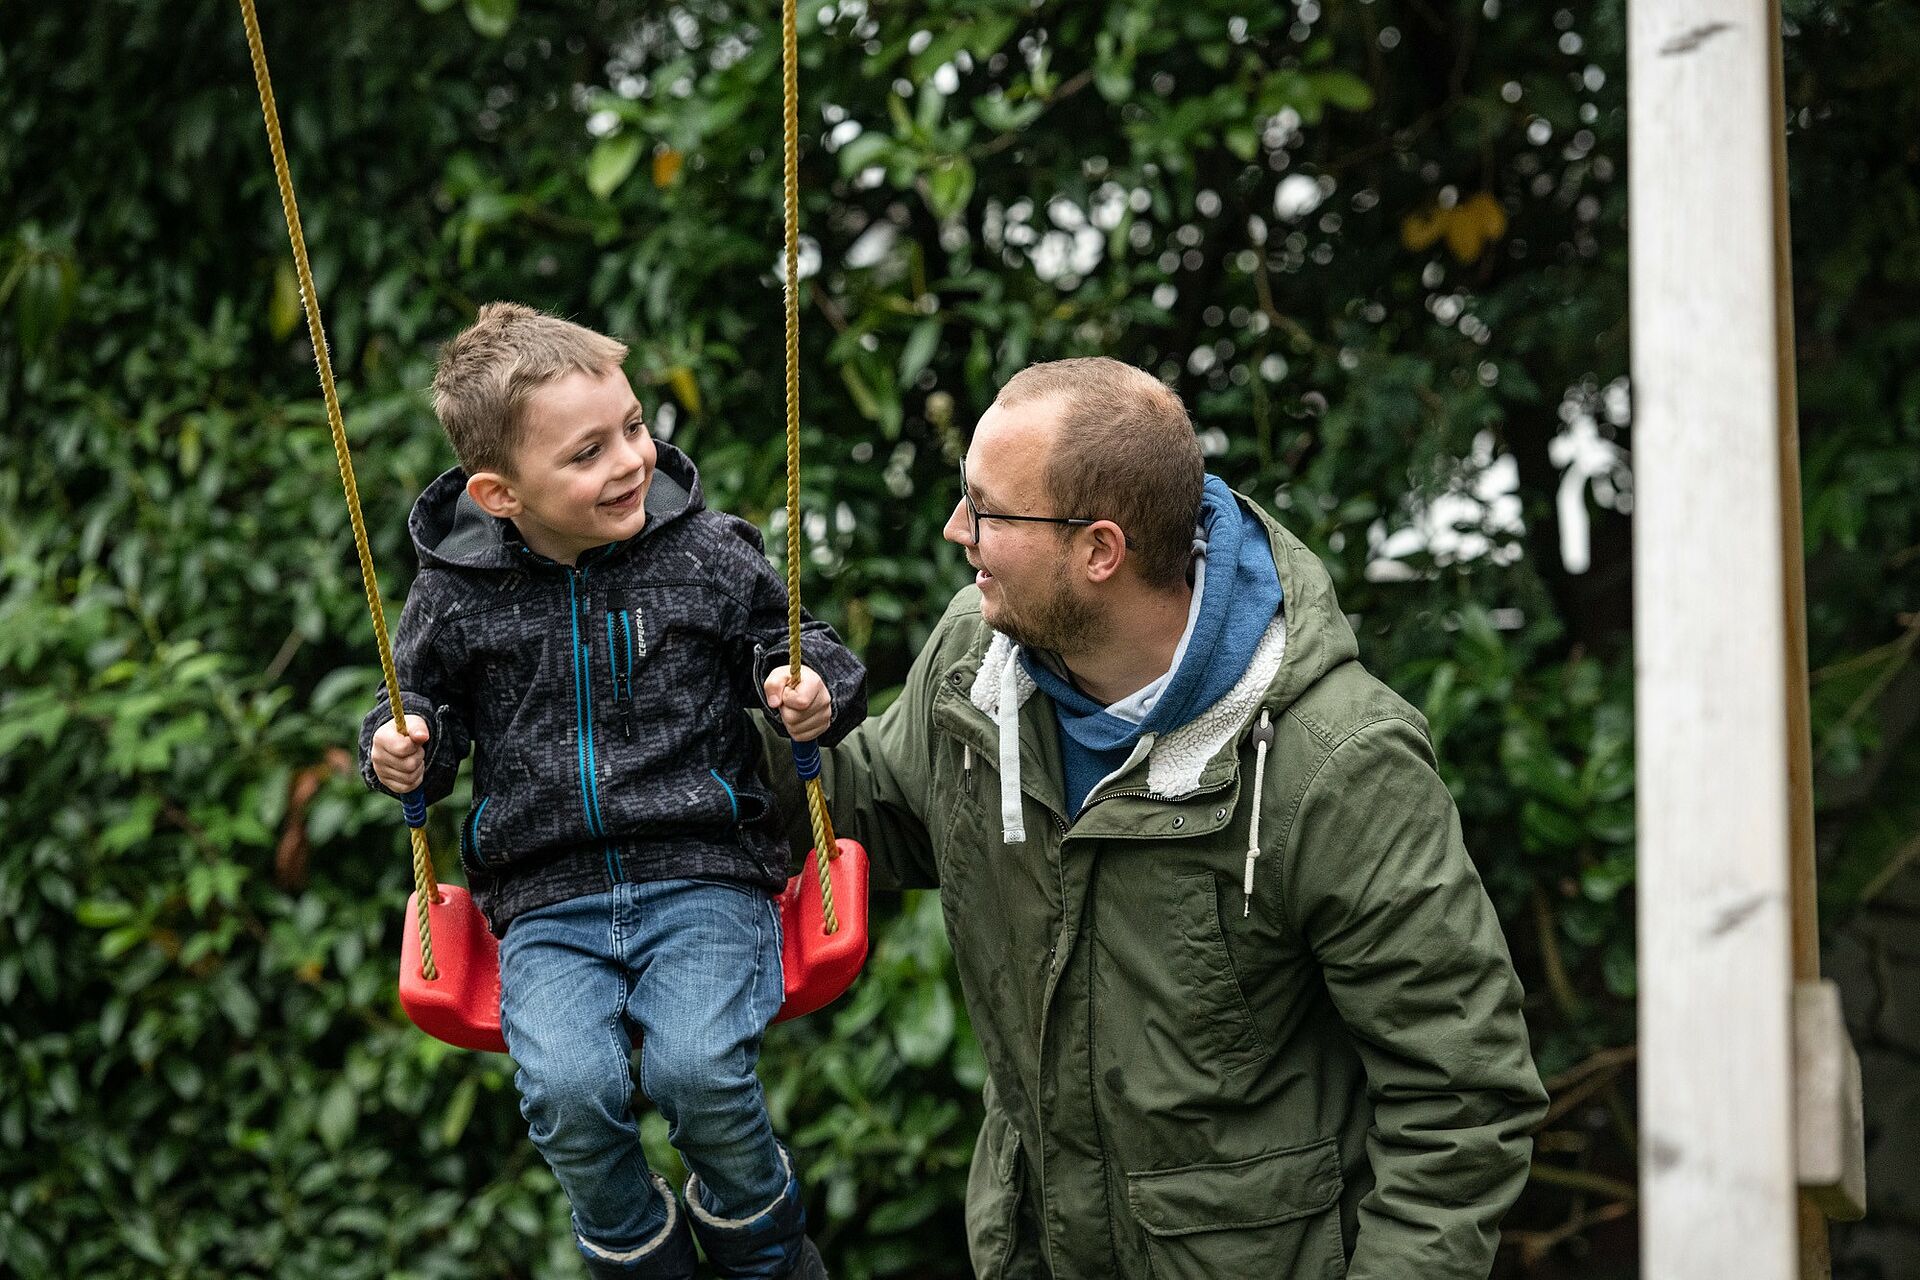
1749	1095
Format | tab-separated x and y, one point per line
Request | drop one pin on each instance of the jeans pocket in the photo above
1271	1215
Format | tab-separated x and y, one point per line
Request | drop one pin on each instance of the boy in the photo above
620	843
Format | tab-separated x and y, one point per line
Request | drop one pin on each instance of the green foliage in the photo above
1378	247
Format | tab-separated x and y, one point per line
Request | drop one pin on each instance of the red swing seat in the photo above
462	1005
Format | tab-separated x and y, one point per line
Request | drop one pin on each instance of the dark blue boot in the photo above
666	1255
809	1267
769	1244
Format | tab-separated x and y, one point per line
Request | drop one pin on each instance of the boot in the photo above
808	1265
667	1256
769	1244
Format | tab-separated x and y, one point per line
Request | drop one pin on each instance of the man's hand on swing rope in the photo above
400	759
806	709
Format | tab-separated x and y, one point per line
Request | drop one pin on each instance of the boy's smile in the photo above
581	470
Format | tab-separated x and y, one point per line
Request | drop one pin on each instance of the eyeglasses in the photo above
975	515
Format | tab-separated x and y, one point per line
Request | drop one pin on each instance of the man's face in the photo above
1025	571
583	466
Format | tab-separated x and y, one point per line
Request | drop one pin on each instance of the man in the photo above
1245	1007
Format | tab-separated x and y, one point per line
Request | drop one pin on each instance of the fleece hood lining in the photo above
1175	759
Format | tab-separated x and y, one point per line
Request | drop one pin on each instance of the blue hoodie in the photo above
1239	592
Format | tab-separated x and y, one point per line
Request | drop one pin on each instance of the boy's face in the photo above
582	469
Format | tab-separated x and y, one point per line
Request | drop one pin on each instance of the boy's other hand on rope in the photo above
806	709
400	759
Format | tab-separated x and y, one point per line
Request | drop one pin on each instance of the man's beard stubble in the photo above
1060	621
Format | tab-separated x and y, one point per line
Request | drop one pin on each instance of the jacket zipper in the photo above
626	704
584	756
622	687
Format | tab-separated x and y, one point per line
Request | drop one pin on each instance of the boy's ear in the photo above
494	492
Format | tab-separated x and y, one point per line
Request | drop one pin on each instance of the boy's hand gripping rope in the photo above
415	803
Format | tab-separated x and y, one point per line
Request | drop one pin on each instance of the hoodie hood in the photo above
450	530
1238	594
1308	637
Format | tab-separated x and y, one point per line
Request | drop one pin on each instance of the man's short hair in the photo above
1125	452
486	375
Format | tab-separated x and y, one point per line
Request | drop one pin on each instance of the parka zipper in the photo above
1140	792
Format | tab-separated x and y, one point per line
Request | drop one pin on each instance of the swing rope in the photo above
427	888
823	842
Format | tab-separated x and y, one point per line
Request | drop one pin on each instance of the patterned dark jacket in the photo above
604	700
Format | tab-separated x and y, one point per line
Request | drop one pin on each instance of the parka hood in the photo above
1318	635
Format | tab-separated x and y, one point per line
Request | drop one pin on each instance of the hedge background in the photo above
1378	246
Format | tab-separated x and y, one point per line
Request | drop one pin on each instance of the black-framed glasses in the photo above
975	515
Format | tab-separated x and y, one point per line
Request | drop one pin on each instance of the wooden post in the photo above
1716	892
1815	1262
1829	1143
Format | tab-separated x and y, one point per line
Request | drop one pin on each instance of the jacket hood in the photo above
450	530
1318	635
1238	592
1305	640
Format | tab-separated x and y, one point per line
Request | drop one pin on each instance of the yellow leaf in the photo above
1463	236
666	167
1472	226
283	312
1418	231
1491	216
685	389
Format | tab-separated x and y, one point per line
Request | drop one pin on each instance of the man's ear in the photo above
494	492
1107	550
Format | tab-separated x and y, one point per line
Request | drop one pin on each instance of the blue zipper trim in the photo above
583	722
579	736
585	666
622	671
731	798
473	830
626	635
593	759
613	667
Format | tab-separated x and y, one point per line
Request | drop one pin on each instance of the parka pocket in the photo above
995	1183
1220	1024
1271	1215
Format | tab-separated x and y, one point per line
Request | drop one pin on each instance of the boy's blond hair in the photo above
487	373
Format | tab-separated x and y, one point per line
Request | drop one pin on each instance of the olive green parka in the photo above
1328	1076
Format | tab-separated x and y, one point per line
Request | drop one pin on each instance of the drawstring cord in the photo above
1262	739
1013	829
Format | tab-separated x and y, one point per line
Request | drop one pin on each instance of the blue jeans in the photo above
694	967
